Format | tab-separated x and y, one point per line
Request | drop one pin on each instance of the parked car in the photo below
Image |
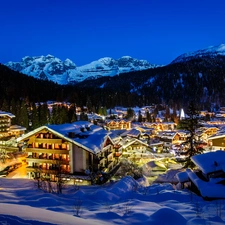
3	173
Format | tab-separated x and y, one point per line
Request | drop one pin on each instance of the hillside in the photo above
199	79
15	85
198	76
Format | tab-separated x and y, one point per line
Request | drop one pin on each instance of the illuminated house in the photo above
118	124
5	123
74	147
132	147
217	141
6	129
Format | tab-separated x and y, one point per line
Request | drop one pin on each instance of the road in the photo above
19	172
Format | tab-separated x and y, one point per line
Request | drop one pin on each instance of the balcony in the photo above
45	170
47	160
48	140
50	151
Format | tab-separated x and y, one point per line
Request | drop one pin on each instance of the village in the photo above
92	152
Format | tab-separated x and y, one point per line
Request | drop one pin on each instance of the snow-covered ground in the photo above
123	202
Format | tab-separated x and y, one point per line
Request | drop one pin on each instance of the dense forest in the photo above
200	80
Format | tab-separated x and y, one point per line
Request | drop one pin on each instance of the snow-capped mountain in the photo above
210	51
64	72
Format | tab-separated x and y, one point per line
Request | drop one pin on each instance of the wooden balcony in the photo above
44	170
50	151
48	140
49	161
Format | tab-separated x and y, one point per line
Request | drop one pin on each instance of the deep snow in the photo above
118	202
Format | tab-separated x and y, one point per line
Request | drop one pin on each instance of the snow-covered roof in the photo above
17	128
210	161
129	141
207	189
182	177
220	134
91	139
2	113
131	133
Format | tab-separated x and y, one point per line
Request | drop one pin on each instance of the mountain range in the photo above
198	76
66	72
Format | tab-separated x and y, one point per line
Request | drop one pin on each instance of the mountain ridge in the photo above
211	51
65	72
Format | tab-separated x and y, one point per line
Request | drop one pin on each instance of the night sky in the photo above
86	30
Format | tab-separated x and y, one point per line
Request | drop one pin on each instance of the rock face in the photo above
211	52
65	72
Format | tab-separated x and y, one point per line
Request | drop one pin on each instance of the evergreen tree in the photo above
148	117
139	116
130	114
34	116
167	114
43	114
190	124
54	115
83	116
22	115
72	117
63	115
12	109
5	106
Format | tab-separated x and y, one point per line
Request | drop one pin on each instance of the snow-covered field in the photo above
123	202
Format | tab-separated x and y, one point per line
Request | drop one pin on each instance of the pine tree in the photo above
139	116
190	124
72	117
5	106
130	114
148	117
43	114
63	115
12	109
34	116
54	115
23	119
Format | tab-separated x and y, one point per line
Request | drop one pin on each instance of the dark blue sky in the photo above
86	30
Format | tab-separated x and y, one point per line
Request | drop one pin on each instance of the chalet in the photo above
134	133
156	146
6	129
169	138
133	146
16	130
183	135
118	124
217	141
75	147
205	132
208	181
5	123
161	126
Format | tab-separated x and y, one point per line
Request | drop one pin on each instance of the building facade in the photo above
71	149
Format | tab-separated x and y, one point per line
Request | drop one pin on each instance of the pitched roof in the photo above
210	161
2	113
91	139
